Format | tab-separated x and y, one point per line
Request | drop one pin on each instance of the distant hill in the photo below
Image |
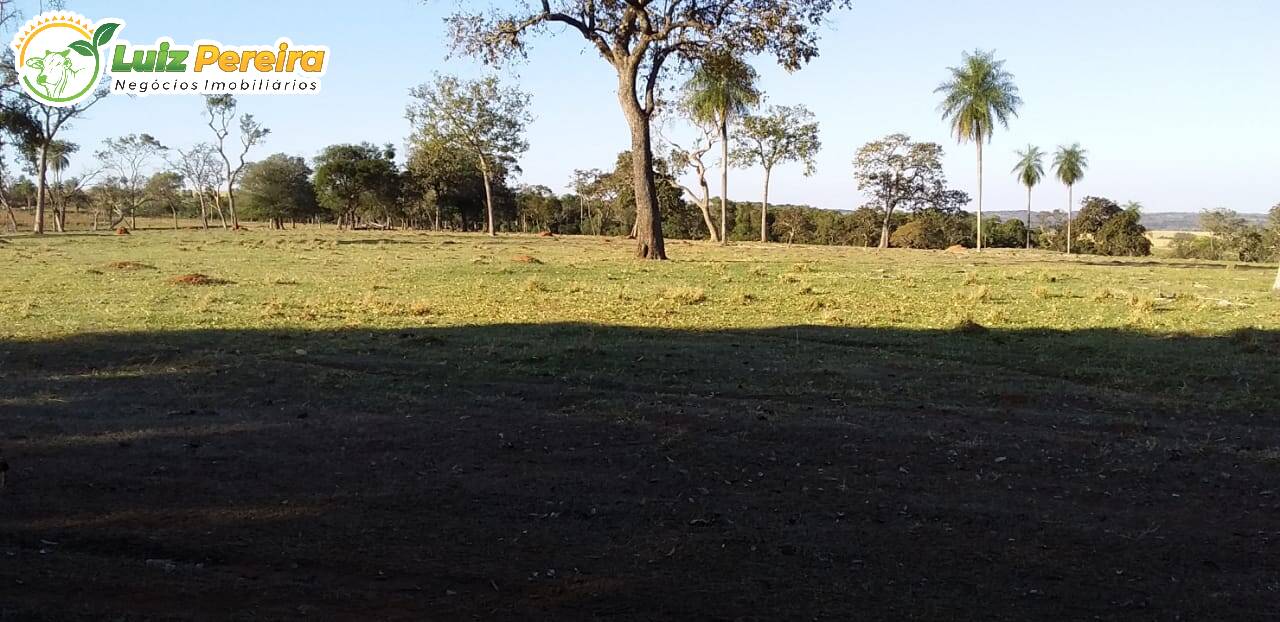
1160	221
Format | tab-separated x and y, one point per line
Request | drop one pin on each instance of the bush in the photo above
1007	234
1192	246
1122	235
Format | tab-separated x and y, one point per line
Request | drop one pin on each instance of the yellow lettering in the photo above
205	55
264	61
228	61
313	61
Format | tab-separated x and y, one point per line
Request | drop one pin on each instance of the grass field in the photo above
384	425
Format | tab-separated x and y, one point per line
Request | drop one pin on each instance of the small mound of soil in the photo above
967	325
956	248
128	266
197	279
122	231
525	259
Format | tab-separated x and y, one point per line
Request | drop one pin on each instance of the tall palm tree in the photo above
1029	171
1069	164
722	88
979	95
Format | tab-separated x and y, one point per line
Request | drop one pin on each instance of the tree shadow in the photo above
581	471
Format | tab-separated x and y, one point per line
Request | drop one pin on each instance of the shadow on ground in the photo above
581	472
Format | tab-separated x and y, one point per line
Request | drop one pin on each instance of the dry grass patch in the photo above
529	259
685	295
128	266
980	293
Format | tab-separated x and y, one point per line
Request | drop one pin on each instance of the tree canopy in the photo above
639	38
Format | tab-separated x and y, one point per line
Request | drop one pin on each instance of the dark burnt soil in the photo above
579	472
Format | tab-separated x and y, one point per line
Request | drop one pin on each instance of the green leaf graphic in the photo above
104	33
82	47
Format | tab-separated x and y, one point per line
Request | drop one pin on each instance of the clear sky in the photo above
1175	100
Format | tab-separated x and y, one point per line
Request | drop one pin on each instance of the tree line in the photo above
467	137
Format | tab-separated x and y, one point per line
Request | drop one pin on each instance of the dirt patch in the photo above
546	234
956	249
198	279
128	266
122	231
530	259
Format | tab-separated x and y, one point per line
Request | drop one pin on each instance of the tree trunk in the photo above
217	207
1070	206
724	179
979	195
648	226
764	209
705	206
175	218
1028	217
204	210
1275	287
884	228
41	169
231	205
488	199
13	220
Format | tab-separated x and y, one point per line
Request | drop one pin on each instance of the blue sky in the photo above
1173	99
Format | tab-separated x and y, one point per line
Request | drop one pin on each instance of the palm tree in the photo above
1029	171
1069	164
59	159
979	95
721	89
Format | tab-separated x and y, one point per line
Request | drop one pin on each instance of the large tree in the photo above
721	90
221	112
57	160
449	181
979	96
47	122
898	173
18	129
783	134
1069	164
639	39
479	117
278	189
355	180
1029	171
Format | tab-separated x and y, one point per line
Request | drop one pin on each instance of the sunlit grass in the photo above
318	279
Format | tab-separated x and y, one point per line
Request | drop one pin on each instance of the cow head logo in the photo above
60	56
